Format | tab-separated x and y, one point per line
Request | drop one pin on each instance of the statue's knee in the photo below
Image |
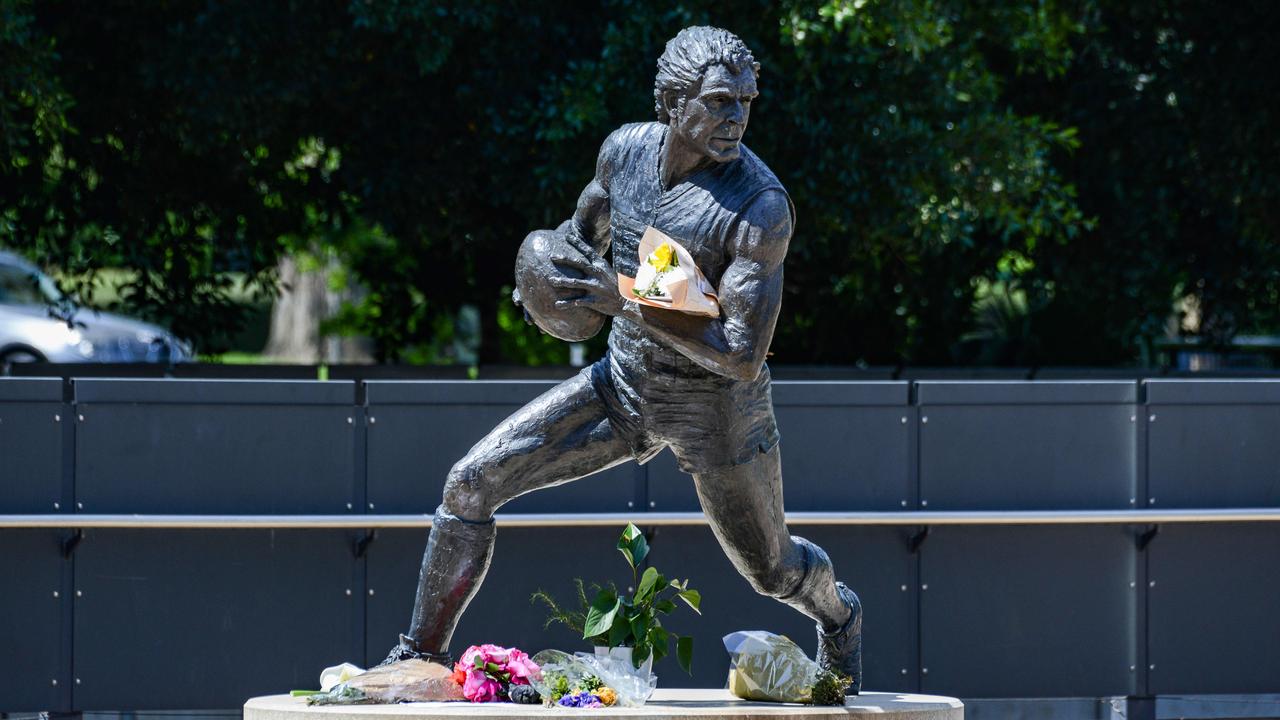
797	572
466	493
773	581
778	577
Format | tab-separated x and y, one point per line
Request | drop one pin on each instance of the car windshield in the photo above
24	286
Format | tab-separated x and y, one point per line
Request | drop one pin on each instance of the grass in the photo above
239	358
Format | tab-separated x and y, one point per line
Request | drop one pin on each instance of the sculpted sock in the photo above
453	566
815	594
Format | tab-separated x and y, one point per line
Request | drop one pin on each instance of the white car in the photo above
40	324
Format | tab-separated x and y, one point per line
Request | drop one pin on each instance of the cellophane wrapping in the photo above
632	686
404	681
769	667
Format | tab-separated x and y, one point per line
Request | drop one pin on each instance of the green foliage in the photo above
1124	153
830	688
574	619
633	545
559	686
916	177
1180	164
613	619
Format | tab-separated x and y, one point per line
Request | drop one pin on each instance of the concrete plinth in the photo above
672	704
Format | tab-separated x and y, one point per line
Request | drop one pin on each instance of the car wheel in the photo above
18	355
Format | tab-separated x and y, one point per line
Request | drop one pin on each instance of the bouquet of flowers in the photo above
771	668
668	278
488	672
590	681
410	680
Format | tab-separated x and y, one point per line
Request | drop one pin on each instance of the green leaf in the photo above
684	653
660	641
640	652
639	626
692	598
600	617
648	585
620	631
633	546
664	606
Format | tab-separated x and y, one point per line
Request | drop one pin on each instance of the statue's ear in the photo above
672	102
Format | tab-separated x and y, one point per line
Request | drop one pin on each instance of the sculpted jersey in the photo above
654	395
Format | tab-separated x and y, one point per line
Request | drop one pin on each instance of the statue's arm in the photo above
590	222
750	295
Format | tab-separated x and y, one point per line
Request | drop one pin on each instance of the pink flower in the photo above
487	654
480	687
498	668
521	667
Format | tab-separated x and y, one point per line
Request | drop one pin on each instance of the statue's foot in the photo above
407	649
841	650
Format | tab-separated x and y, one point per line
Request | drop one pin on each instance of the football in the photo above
538	297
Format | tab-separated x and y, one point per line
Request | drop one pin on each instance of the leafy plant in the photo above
614	619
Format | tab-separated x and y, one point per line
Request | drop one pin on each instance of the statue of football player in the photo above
696	384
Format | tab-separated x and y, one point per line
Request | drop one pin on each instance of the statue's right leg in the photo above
560	436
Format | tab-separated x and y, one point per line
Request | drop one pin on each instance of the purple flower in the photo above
581	700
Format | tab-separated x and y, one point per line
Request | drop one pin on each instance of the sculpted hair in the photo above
687	57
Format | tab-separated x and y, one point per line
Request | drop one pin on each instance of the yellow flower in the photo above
663	258
607	695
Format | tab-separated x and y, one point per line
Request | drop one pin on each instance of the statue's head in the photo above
706	81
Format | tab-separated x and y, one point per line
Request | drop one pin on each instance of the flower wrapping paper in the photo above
668	278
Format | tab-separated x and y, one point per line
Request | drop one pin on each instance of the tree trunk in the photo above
305	301
295	317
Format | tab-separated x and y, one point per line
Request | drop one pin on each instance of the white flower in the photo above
331	676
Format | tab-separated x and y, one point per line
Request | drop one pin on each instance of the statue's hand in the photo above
599	284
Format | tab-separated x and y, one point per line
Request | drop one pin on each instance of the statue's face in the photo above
715	118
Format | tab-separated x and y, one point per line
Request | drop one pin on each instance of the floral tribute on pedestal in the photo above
625	628
487	673
771	668
590	681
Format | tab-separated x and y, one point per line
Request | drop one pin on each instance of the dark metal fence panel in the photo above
1213	614
1213	443
874	561
30	390
1027	445
31	445
845	446
417	430
214	446
183	619
525	560
1028	612
32	637
166	613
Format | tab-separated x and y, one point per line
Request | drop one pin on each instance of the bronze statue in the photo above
695	384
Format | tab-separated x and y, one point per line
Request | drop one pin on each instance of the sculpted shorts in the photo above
656	398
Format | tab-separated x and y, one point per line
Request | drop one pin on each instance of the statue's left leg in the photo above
744	506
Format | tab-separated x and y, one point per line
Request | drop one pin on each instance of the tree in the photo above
929	145
1174	102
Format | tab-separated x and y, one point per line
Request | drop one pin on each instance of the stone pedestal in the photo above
672	704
